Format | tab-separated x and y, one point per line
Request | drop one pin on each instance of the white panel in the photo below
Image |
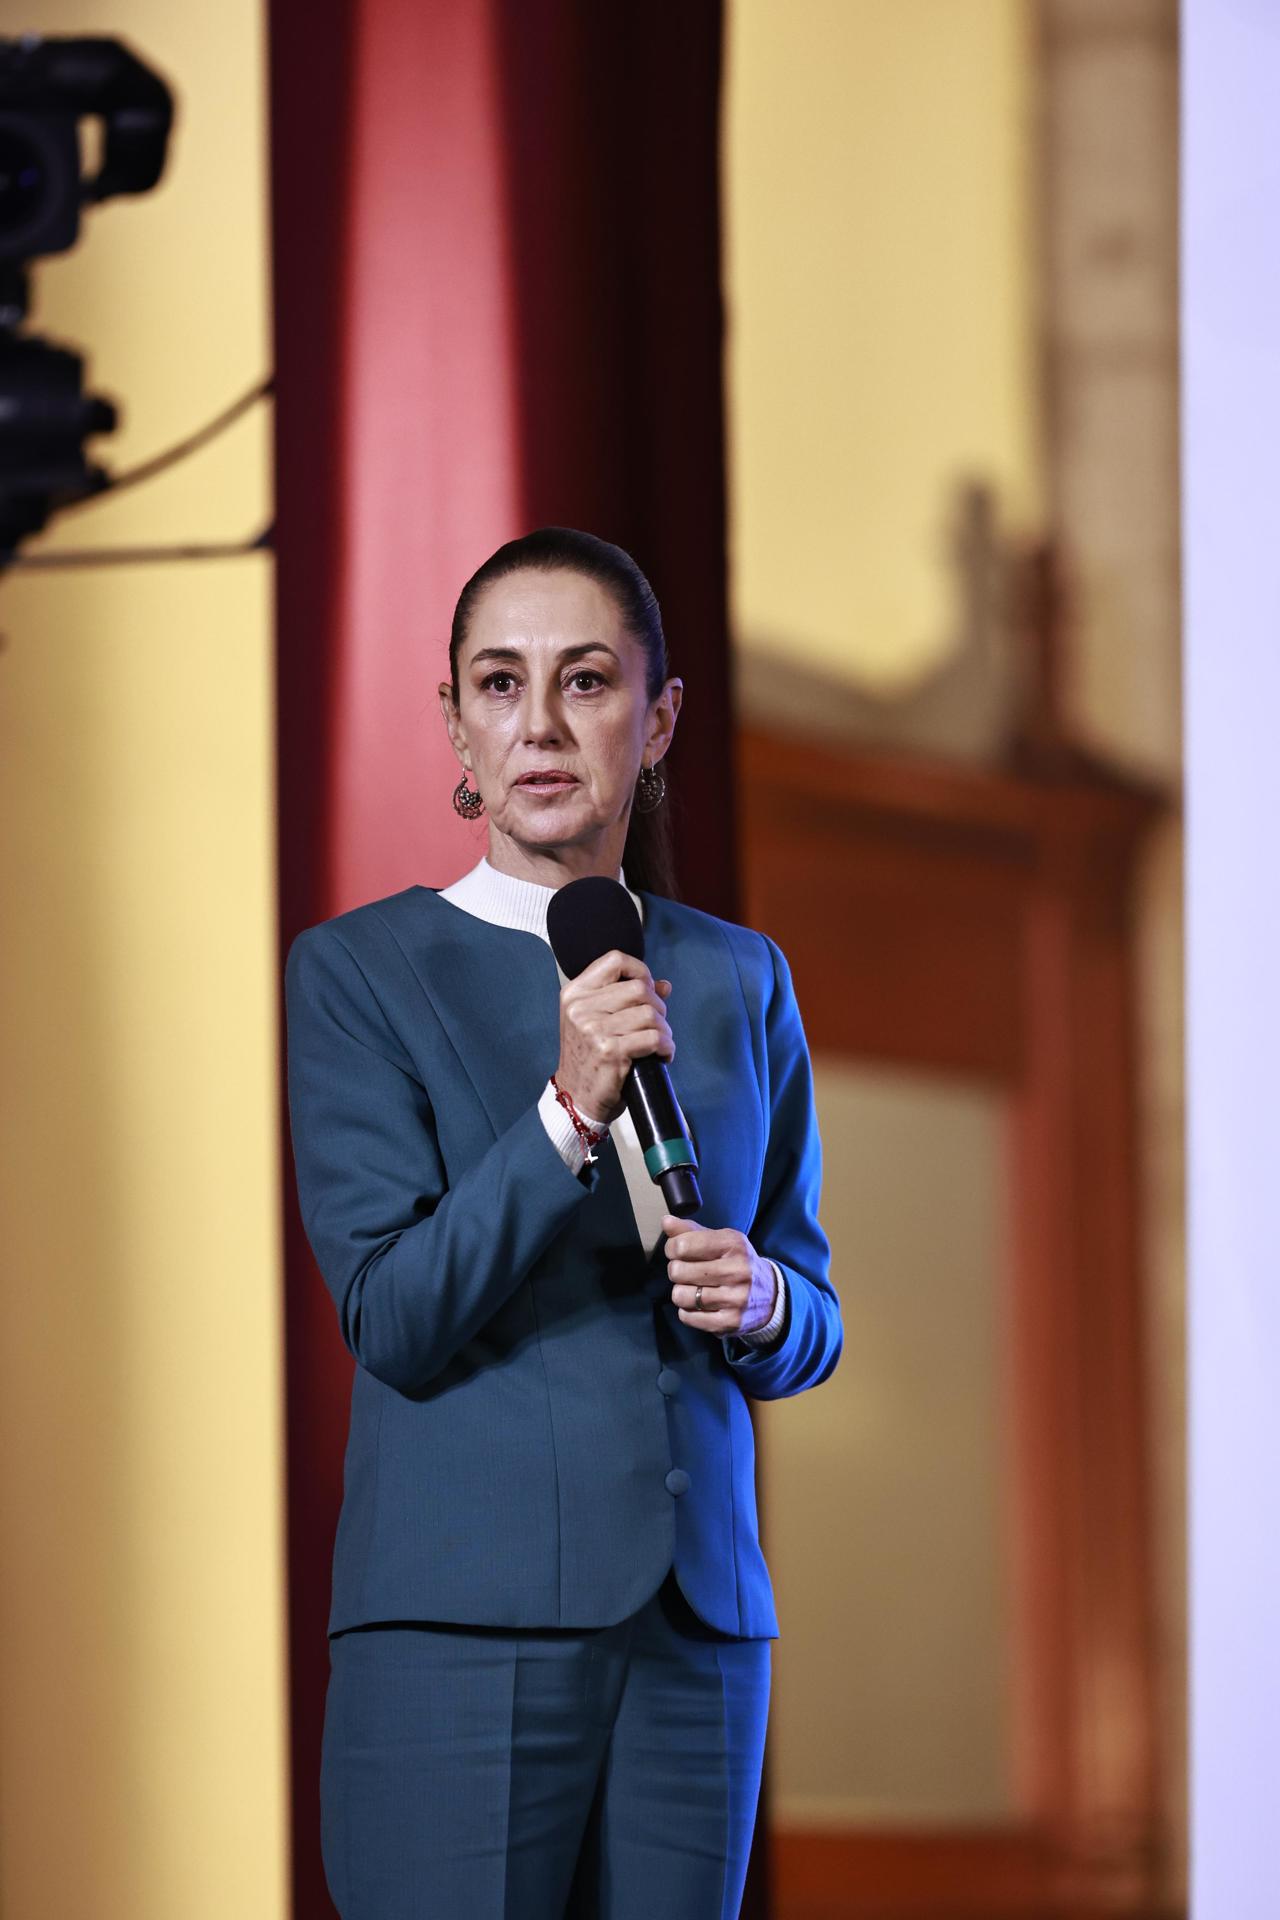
1231	344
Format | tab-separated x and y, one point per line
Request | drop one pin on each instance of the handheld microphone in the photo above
586	918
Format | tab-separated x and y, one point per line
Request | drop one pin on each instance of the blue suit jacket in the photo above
535	1436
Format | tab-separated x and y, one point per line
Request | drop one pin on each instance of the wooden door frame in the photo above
981	923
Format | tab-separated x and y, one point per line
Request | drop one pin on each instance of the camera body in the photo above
39	184
46	87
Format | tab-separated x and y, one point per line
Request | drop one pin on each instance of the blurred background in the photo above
855	321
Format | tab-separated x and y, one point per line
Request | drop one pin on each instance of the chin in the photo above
548	827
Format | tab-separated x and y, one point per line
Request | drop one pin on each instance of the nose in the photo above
543	720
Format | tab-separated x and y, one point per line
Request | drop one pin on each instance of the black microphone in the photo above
586	918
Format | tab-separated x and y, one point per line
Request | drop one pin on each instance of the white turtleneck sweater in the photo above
508	901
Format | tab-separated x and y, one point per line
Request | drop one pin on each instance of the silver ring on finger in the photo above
697	1301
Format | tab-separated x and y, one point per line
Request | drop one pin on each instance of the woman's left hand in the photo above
739	1287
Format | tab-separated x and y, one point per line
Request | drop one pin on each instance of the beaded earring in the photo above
465	801
651	789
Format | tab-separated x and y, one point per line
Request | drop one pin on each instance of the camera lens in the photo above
23	181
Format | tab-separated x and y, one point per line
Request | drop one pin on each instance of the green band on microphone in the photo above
668	1153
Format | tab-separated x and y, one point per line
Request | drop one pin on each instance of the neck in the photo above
510	900
556	866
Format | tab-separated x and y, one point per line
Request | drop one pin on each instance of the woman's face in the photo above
551	683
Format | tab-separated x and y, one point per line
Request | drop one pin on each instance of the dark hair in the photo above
647	859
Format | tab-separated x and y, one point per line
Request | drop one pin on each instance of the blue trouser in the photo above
537	1773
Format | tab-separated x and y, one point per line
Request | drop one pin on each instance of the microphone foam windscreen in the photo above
591	916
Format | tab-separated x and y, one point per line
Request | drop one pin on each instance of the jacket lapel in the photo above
496	994
487	980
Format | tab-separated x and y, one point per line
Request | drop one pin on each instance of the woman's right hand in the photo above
611	1014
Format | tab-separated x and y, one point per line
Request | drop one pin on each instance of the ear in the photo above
453	723
662	720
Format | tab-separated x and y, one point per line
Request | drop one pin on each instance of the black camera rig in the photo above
47	86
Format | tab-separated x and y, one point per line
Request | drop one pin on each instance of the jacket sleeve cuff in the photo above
765	1336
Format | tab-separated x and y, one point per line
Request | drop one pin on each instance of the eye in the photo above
588	674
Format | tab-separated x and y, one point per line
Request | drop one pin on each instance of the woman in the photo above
551	1619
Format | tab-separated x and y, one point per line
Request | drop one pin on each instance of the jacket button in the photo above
669	1381
677	1481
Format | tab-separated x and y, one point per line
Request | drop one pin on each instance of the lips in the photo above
552	778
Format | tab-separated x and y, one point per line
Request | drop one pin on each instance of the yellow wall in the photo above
142	1698
880	280
881	292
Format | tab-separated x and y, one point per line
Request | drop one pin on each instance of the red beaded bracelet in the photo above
589	1136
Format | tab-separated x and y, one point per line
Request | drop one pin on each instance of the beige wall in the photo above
880	282
142	1736
884	1496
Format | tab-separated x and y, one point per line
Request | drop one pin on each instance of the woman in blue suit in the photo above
551	1619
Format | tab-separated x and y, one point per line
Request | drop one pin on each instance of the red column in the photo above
497	304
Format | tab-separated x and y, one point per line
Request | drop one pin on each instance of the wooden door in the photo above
975	929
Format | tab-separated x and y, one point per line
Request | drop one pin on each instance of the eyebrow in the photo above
566	653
